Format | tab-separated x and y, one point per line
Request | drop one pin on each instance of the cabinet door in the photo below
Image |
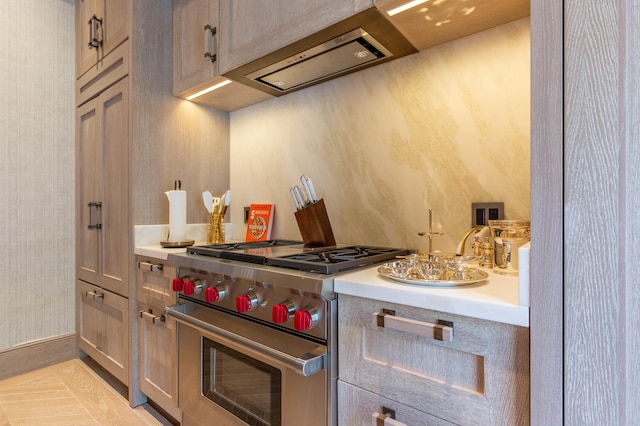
111	30
250	29
102	190
115	207
194	43
103	328
86	55
89	190
116	16
480	377
157	358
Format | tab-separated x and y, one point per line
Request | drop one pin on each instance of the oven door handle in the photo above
310	363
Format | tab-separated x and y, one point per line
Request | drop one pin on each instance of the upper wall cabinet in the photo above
254	29
270	48
430	23
196	29
101	26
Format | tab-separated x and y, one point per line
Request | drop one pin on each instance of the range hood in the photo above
359	42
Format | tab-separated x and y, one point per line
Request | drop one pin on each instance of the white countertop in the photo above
156	251
495	299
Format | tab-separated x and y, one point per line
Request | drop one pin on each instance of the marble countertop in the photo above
495	299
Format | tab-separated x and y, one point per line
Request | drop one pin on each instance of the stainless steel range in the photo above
257	331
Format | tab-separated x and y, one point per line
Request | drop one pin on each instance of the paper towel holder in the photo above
177	185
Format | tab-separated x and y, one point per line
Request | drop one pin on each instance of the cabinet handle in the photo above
386	418
93	207
94	295
212	30
154	318
211	57
94	25
441	330
147	266
210	34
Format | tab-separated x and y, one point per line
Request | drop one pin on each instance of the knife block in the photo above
314	225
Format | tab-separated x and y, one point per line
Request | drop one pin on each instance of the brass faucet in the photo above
461	244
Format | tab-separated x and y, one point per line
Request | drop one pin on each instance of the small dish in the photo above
177	244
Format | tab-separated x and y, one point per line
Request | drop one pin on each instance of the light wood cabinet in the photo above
439	22
157	334
153	282
359	407
102	146
103	328
196	30
101	26
479	376
195	27
158	358
252	29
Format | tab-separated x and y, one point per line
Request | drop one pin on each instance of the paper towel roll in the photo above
177	215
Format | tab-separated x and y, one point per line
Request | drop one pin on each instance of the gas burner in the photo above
251	251
294	255
335	259
248	245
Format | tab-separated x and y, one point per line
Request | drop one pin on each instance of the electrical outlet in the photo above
481	213
246	215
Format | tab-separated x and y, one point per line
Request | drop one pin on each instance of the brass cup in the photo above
216	231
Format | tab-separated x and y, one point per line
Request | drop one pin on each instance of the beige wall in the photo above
438	129
37	170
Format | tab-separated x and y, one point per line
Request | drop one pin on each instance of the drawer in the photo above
479	374
356	407
103	328
113	68
153	282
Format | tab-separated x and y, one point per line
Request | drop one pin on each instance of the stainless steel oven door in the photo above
233	371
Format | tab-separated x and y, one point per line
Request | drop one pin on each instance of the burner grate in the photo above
336	260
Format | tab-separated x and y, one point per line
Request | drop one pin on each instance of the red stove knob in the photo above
214	294
280	312
177	284
191	287
246	302
304	319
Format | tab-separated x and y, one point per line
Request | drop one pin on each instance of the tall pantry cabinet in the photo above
102	218
133	139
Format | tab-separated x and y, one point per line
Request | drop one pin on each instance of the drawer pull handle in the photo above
154	318
94	295
441	330
150	267
386	418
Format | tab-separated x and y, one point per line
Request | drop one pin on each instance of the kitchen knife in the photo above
300	197
305	185
312	191
295	198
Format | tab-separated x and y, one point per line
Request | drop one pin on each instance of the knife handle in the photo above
295	198
312	191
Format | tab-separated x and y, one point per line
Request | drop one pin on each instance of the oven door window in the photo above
247	388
